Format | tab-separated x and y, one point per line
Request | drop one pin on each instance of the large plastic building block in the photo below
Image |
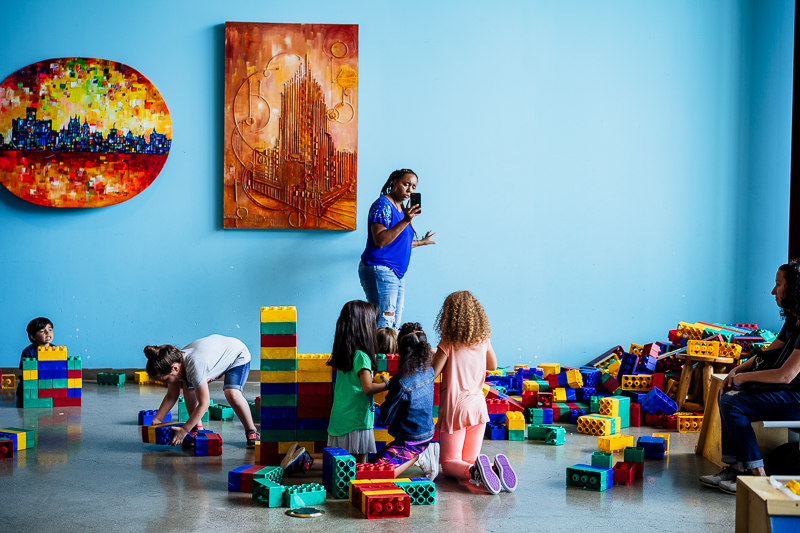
602	459
656	419
496	405
235	477
702	348
495	431
159	433
549	368
608	383
220	412
635	419
22	438
637	382
183	413
386	504
653	447
589	478
359	487
624	473
208	443
279	314
304	495
279	328
146	417
142	378
51	353
664	436
594	425
278	365
515	421
374	471
609	407
289	352
689	331
590	376
627	365
633	454
6	448
656	401
614	443
8	381
338	469
268	492
575	414
421	490
550	434
110	378
690	423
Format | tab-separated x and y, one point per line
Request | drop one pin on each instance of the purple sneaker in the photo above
482	472
508	479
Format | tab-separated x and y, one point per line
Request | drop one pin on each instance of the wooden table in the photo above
708	441
757	501
706	365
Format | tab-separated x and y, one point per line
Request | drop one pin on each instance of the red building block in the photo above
67	402
651	349
624	473
671	422
653	420
514	405
312	389
552	380
635	420
395	505
53	393
611	384
392	363
313	411
278	341
360	488
658	381
529	398
75	374
638	469
6	449
544	400
374	471
496	406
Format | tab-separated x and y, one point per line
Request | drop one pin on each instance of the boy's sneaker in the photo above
728	486
482	472
299	462
428	461
508	479
713	480
252	436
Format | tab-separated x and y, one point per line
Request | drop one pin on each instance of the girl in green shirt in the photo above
353	357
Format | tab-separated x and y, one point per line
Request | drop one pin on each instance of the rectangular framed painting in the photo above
291	102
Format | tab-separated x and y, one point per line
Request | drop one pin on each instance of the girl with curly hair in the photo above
408	408
463	356
765	387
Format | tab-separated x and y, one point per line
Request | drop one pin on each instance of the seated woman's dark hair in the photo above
790	305
160	359
355	330
415	352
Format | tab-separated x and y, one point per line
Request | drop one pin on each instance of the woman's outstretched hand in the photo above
427	239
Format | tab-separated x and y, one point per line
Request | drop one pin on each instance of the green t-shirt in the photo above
352	409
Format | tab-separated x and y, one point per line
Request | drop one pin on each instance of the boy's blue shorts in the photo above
236	377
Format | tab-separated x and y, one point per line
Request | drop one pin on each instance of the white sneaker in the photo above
428	461
713	480
728	486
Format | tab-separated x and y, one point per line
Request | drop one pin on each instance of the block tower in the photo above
53	380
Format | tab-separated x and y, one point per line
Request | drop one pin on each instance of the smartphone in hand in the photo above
416	199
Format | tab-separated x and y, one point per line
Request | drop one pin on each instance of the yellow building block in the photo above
793	486
354	482
689	331
609	407
636	349
279	314
594	425
31	375
549	368
560	394
283	447
614	443
530	385
51	353
283	376
703	348
141	378
279	353
727	349
438	379
613	368
637	382
574	379
515	421
313	362
382	435
523	367
313	377
495	373
666	440
74	383
690	424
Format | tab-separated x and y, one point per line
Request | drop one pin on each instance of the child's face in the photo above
44	336
174	375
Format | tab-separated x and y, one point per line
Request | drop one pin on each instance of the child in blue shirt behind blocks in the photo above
40	333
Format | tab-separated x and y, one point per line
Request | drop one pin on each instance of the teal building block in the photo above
304	495
421	490
279	328
633	454
268	492
602	459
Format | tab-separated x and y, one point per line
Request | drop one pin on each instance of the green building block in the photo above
435	411
268	492
602	459
30	364
183	414
59	383
516	434
344	470
110	378
303	495
30	384
544	386
594	404
270	473
589	478
281	435
279	400
279	328
278	365
624	409
422	491
556	436
633	454
220	412
380	361
74	362
36	402
310	435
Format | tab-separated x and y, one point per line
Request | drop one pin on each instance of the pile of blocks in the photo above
207	443
53	380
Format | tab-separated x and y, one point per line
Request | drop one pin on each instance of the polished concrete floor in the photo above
90	472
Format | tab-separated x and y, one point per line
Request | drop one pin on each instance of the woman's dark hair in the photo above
415	352
160	359
394	176
36	324
355	330
790	305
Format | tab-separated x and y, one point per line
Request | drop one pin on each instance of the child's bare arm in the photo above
439	359
367	386
491	359
173	392
203	400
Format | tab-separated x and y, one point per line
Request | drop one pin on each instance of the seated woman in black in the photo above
765	387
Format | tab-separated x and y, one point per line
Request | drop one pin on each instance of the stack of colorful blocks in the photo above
52	380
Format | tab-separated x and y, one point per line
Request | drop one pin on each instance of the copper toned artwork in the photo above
291	101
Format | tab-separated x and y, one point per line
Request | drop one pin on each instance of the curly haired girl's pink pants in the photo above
459	450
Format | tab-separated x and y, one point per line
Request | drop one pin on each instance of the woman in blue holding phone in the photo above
390	239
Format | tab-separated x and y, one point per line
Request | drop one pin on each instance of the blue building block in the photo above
590	376
562	379
495	431
278	388
146	417
647	364
313	423
584	394
653	447
570	394
636	397
656	401
574	414
497	418
627	365
338	468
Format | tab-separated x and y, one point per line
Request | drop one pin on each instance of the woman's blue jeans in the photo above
385	291
738	408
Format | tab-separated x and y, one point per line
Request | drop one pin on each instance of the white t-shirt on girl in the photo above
208	358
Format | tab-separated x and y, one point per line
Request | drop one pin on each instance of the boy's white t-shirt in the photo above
208	358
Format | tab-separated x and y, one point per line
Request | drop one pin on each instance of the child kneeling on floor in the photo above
408	408
191	369
463	356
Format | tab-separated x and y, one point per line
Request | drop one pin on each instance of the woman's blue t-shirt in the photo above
397	254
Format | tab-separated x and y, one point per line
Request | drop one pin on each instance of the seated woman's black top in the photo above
770	359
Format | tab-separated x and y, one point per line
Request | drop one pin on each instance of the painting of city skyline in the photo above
81	132
290	139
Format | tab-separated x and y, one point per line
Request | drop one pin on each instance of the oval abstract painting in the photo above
81	132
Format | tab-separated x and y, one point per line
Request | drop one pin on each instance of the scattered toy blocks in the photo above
589	478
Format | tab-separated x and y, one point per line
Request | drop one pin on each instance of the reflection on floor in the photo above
90	471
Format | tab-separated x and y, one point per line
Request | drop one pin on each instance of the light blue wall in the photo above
596	171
